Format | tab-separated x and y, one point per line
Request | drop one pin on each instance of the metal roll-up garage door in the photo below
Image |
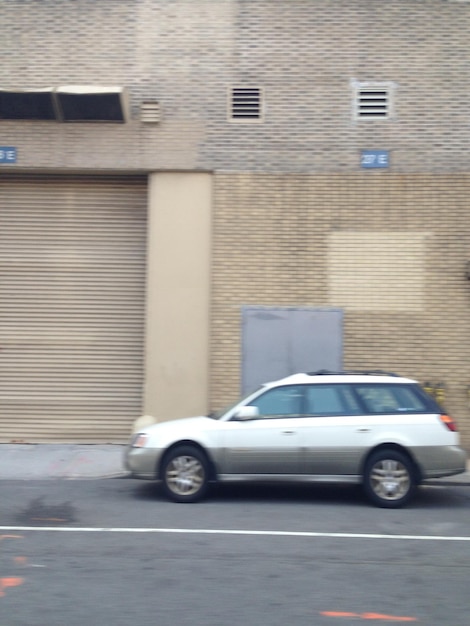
72	282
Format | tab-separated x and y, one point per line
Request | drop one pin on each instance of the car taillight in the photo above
450	423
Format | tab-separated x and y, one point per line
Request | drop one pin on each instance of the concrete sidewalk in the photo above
43	461
88	461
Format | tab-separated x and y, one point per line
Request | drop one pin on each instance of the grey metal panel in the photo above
316	339
265	346
277	342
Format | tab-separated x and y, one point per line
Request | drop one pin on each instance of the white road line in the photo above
213	531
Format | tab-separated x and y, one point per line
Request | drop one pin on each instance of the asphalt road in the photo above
115	552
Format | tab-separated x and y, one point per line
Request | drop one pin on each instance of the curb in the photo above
446	482
113	476
97	477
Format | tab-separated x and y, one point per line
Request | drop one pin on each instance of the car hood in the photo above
183	426
196	422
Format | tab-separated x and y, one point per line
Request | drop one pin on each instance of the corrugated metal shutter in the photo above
72	282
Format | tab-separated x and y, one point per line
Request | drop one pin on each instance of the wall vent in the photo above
91	103
73	103
150	112
27	104
246	104
373	102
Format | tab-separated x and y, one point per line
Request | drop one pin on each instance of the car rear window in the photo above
396	398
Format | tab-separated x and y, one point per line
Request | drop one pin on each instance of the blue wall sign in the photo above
374	158
7	154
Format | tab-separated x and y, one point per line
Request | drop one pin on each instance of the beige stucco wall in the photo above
178	292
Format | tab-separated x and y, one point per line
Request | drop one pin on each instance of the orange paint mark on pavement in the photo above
9	582
11	537
395	618
376	616
21	560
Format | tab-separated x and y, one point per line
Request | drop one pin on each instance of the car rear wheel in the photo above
185	474
389	479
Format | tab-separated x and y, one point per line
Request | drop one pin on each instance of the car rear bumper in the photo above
439	461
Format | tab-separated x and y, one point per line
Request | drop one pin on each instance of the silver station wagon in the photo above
372	428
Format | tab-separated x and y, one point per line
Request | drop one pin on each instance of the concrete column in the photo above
178	296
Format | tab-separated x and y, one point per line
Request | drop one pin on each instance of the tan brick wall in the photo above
274	229
272	246
306	55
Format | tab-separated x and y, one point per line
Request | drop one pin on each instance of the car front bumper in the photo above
142	462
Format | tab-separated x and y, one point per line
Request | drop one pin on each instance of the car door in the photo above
268	444
331	436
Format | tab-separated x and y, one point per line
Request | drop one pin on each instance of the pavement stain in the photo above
39	513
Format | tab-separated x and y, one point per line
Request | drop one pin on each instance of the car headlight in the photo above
140	440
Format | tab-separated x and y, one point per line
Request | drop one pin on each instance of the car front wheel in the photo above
185	474
389	479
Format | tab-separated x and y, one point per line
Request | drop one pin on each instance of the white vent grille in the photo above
245	104
150	112
373	102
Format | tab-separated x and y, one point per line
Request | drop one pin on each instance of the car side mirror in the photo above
246	413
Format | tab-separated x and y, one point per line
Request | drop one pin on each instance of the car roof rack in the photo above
352	372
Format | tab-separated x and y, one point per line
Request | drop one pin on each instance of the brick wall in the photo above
305	54
295	218
291	240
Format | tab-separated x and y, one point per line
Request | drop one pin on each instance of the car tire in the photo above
389	479
185	474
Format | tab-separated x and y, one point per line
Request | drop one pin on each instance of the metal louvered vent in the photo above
245	104
150	112
373	102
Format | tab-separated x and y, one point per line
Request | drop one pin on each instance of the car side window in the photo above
410	399
280	401
330	400
390	399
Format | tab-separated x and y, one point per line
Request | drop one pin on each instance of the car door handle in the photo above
288	432
363	430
